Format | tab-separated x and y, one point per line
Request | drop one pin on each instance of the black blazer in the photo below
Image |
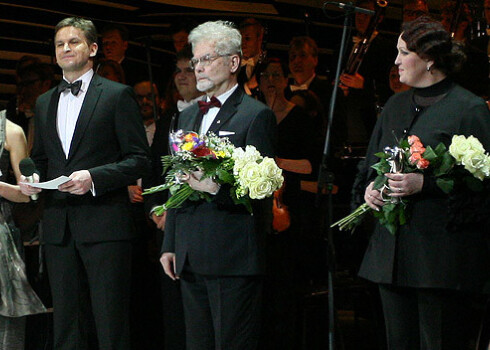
445	243
220	239
110	142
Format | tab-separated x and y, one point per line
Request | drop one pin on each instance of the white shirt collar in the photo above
85	78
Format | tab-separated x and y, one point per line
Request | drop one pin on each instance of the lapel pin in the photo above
219	121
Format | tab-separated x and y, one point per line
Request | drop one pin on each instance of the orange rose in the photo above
412	139
422	163
417	148
415	157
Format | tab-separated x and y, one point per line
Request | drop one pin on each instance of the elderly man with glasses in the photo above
216	248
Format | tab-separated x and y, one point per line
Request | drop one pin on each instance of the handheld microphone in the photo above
28	168
349	6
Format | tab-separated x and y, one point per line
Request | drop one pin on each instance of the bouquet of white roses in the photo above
466	162
250	175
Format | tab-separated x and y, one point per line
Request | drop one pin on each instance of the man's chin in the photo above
205	86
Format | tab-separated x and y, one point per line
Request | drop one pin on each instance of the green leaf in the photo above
380	181
446	164
382	167
445	184
429	154
382	155
440	149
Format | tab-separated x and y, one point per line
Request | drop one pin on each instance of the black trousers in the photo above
100	271
429	319
221	312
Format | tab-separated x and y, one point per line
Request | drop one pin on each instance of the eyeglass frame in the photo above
205	60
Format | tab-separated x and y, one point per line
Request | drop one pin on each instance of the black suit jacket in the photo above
109	141
216	238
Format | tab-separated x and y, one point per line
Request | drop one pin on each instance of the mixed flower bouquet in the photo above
465	163
250	175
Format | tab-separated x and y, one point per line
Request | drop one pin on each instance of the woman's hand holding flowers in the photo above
373	197
404	184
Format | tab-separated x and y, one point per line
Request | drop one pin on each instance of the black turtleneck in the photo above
427	96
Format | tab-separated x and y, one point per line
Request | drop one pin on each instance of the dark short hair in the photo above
429	40
122	30
85	25
262	66
184	54
298	42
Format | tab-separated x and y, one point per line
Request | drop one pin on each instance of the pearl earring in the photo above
428	68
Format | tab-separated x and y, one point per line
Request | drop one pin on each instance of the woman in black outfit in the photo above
297	154
434	269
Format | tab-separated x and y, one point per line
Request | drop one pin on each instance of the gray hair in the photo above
223	34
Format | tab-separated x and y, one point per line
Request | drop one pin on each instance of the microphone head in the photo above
27	167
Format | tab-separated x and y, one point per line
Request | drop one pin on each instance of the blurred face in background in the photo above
251	41
272	81
179	40
144	98
302	63
113	46
185	80
29	87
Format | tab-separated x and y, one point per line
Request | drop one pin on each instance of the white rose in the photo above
269	168
249	174
473	161
260	189
458	147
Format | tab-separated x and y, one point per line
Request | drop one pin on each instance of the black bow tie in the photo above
205	106
74	87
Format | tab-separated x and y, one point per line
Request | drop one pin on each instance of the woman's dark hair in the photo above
431	41
262	66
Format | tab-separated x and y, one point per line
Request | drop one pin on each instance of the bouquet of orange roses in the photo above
465	162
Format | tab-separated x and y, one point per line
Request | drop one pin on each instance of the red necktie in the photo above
205	106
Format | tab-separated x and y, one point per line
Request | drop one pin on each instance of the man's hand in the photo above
135	194
25	188
168	262
159	220
80	183
203	185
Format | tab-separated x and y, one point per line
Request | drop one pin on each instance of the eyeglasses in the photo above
270	75
205	60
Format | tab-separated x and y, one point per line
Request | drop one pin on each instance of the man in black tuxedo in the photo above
90	129
217	248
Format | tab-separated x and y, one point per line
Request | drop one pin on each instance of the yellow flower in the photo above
188	146
220	154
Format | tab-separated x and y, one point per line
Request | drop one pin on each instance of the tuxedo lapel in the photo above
228	110
86	113
51	118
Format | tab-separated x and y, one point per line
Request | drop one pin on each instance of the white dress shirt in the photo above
69	107
208	118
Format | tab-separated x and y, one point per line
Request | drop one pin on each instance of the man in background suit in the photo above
216	248
90	129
